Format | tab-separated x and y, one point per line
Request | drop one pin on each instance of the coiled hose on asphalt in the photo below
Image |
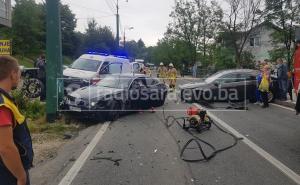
171	120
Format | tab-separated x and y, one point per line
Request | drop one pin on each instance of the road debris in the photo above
72	159
116	161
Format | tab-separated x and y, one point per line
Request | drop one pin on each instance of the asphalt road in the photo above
139	149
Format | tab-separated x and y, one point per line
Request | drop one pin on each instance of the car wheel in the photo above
114	111
270	97
33	87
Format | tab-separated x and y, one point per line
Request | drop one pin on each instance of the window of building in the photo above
254	41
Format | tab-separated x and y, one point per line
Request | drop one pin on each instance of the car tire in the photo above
33	88
114	111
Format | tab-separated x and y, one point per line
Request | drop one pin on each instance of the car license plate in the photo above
76	109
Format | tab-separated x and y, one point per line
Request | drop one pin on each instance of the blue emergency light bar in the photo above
124	57
106	54
97	53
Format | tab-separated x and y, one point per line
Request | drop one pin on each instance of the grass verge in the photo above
48	138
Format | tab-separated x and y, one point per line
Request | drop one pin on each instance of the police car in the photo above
90	68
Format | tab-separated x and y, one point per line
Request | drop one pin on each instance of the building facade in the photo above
260	42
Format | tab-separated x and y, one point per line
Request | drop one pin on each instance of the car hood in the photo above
193	85
76	73
94	92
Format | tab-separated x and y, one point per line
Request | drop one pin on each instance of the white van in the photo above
92	67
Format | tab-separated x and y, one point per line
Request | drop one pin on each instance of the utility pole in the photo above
54	59
130	28
118	25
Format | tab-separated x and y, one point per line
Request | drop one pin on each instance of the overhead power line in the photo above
87	8
95	17
110	5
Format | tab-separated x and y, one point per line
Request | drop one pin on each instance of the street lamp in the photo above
129	28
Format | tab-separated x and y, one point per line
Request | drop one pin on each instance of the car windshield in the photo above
115	82
86	64
213	77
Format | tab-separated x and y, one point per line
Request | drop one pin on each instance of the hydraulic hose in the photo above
171	120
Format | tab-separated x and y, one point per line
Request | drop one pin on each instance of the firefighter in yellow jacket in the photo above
172	76
162	72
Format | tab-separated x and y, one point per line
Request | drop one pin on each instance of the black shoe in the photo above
265	106
297	113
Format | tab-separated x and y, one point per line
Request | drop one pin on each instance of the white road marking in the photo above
279	165
72	173
280	106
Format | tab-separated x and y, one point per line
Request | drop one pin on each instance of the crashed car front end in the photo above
80	107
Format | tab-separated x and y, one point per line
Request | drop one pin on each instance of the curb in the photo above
285	104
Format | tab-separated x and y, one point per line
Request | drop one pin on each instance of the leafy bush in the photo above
247	60
32	109
277	53
35	110
224	58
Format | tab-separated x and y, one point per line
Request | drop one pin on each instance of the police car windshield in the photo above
86	64
115	82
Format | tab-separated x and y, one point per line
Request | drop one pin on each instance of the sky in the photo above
148	17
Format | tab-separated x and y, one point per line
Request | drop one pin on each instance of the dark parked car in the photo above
228	85
116	94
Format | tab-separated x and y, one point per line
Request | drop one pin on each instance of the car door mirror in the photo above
216	84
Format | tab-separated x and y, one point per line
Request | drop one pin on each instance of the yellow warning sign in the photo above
5	47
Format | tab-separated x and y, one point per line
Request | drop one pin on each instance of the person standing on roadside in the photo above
282	77
163	73
182	70
258	81
297	76
16	153
194	68
160	70
264	86
290	84
172	75
297	107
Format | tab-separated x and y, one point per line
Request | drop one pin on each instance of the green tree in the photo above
68	24
27	32
285	14
243	16
98	38
196	23
132	48
185	25
170	50
223	58
210	20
